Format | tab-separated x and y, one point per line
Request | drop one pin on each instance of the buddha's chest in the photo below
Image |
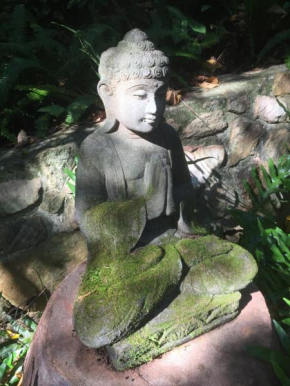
134	155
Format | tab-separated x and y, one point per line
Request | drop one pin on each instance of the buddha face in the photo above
139	104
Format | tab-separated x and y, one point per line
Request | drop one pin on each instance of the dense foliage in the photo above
266	229
14	346
50	50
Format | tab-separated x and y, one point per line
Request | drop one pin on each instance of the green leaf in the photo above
30	323
78	107
269	355
3	368
53	110
197	27
70	173
176	12
285	339
72	188
205	7
286	321
7	348
42	124
266	177
272	169
285	381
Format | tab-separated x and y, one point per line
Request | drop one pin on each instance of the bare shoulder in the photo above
93	147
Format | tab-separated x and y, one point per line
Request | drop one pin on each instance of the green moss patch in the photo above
113	228
187	317
195	251
115	298
221	274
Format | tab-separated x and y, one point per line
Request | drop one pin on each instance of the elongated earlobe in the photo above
106	94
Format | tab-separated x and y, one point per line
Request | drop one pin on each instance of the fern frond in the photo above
184	54
279	38
211	39
42	124
276	180
12	72
19	18
44	38
53	110
78	107
12	48
5	118
48	90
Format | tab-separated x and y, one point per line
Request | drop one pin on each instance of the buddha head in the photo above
133	84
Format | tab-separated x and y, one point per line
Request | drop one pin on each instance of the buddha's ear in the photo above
105	92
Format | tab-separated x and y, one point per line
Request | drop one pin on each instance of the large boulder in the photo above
26	277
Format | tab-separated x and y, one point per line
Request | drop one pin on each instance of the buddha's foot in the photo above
208	298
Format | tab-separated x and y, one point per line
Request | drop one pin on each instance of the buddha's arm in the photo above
180	173
111	226
90	185
183	190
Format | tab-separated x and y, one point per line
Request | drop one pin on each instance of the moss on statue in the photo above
187	317
112	229
208	298
195	251
121	290
222	273
116	297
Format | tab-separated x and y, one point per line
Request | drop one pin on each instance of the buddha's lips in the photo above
150	119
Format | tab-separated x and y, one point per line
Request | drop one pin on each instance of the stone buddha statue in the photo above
149	285
136	153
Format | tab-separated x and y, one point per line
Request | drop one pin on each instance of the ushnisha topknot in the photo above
134	57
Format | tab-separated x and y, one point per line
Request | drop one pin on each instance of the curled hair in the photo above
134	57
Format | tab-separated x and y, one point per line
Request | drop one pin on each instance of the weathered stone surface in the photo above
4	308
51	163
22	233
18	195
174	124
187	317
115	299
219	197
268	109
281	84
207	124
238	103
24	276
217	358
222	272
201	162
244	137
53	201
276	144
207	299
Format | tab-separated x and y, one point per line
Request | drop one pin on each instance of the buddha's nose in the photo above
152	106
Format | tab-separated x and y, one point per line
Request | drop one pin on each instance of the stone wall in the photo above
39	240
243	118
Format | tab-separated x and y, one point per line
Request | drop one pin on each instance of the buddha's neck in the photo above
124	132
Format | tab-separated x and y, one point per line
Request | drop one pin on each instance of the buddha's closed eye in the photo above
140	94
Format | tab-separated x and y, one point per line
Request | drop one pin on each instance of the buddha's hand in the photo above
156	185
